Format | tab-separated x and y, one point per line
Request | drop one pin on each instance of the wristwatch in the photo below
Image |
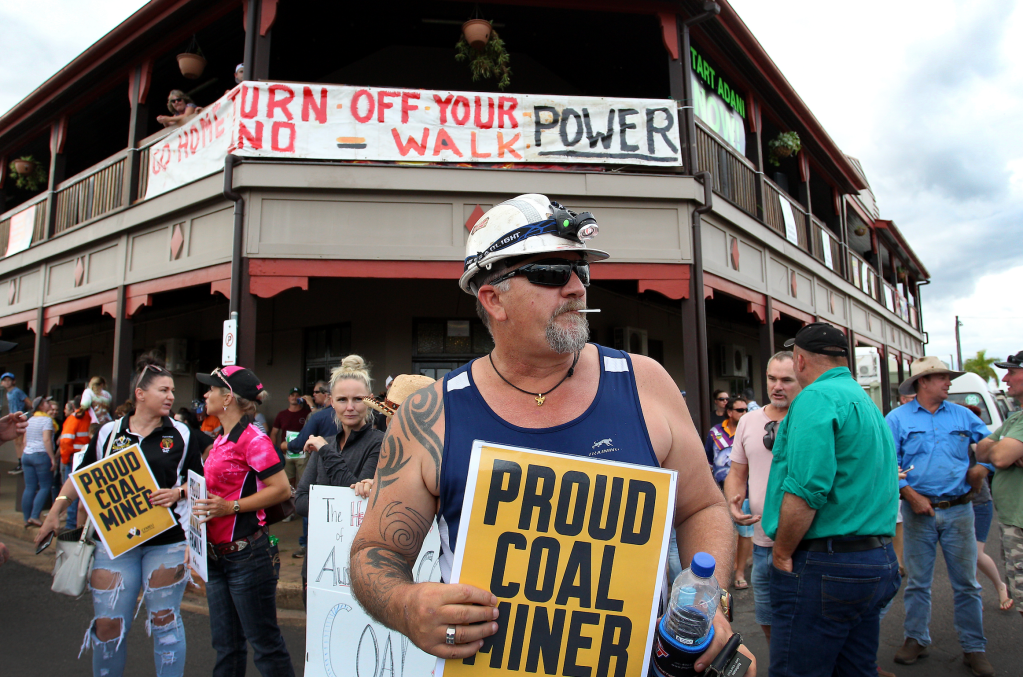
237	508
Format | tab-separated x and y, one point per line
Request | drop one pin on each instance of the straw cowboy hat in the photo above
402	386
925	366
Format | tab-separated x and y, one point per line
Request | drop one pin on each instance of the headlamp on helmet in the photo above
571	226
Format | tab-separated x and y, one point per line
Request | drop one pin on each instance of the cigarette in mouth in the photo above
589	310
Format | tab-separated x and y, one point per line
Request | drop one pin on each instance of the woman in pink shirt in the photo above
244	475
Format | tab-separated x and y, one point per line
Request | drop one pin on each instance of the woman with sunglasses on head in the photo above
181	107
348	458
244	476
157	566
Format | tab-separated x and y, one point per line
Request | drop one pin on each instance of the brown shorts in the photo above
1012	546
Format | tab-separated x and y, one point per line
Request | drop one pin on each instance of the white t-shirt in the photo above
748	447
37	425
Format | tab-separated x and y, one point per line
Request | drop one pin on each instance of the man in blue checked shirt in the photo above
932	441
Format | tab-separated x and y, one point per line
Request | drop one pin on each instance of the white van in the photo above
971	389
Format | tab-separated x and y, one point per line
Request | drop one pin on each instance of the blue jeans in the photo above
72	509
38	479
131	569
825	612
761	580
242	596
304	538
953	529
983	513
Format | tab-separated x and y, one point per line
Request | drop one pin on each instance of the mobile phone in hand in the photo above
45	544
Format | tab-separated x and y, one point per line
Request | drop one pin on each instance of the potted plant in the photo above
191	61
782	146
477	33
901	272
29	173
489	61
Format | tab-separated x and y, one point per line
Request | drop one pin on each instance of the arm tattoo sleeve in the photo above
419	415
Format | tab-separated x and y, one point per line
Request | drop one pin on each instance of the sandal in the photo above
32	522
1005	604
740	583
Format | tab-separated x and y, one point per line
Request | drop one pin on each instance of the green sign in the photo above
717	84
717	104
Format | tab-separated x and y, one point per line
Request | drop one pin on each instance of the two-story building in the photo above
328	198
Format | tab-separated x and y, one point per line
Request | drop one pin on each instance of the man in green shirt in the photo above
831	504
1004	449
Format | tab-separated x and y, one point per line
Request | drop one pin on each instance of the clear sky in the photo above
927	94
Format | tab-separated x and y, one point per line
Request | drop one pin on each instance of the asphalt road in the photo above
41	632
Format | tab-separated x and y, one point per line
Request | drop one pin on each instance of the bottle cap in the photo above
703	565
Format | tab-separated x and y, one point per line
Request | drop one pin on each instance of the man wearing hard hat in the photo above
543	387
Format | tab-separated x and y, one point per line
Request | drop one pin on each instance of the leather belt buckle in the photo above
942	505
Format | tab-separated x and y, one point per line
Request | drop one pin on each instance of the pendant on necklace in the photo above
539	399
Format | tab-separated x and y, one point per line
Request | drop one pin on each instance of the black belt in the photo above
838	544
941	505
220	549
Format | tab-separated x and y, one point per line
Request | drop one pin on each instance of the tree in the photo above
981	366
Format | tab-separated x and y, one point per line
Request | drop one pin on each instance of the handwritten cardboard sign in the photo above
574	549
115	492
341	639
197	528
341	122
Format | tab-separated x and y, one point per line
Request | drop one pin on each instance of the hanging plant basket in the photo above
28	173
24	167
861	231
490	61
191	65
782	146
477	33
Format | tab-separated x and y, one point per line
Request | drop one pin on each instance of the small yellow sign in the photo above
115	492
574	549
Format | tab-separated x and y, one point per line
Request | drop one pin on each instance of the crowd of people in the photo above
807	487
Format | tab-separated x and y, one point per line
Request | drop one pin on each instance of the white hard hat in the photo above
523	226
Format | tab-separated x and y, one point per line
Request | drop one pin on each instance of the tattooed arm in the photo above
400	512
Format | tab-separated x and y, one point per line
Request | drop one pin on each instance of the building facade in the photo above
716	258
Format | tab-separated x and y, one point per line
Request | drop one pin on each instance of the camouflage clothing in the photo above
1012	545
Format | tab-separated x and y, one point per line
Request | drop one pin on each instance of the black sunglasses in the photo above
550	272
320	392
176	100
741	411
770	433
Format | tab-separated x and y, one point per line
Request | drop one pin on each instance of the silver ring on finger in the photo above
449	636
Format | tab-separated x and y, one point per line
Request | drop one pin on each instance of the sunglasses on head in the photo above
550	272
219	374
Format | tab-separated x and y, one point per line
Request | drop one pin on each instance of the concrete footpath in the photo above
12	529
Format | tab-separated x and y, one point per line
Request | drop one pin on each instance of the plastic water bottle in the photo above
687	627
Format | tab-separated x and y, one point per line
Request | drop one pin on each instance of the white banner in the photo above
341	122
196	150
341	639
791	234
197	529
21	227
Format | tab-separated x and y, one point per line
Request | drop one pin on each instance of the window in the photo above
440	346
325	347
974	399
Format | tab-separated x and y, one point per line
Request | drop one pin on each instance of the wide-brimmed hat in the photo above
925	366
1012	362
402	386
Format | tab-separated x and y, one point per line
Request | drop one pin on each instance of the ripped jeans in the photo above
115	586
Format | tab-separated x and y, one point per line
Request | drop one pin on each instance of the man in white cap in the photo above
542	387
1004	449
932	439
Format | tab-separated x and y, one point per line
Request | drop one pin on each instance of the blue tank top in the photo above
611	429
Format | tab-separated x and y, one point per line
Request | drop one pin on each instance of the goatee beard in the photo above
573	337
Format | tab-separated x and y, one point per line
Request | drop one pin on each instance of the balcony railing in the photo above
775	201
826	248
38	227
734	175
90	194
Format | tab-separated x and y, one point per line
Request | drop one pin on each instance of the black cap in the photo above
821	338
1012	362
295	390
243	382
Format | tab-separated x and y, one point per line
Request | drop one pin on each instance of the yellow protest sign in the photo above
574	549
115	492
